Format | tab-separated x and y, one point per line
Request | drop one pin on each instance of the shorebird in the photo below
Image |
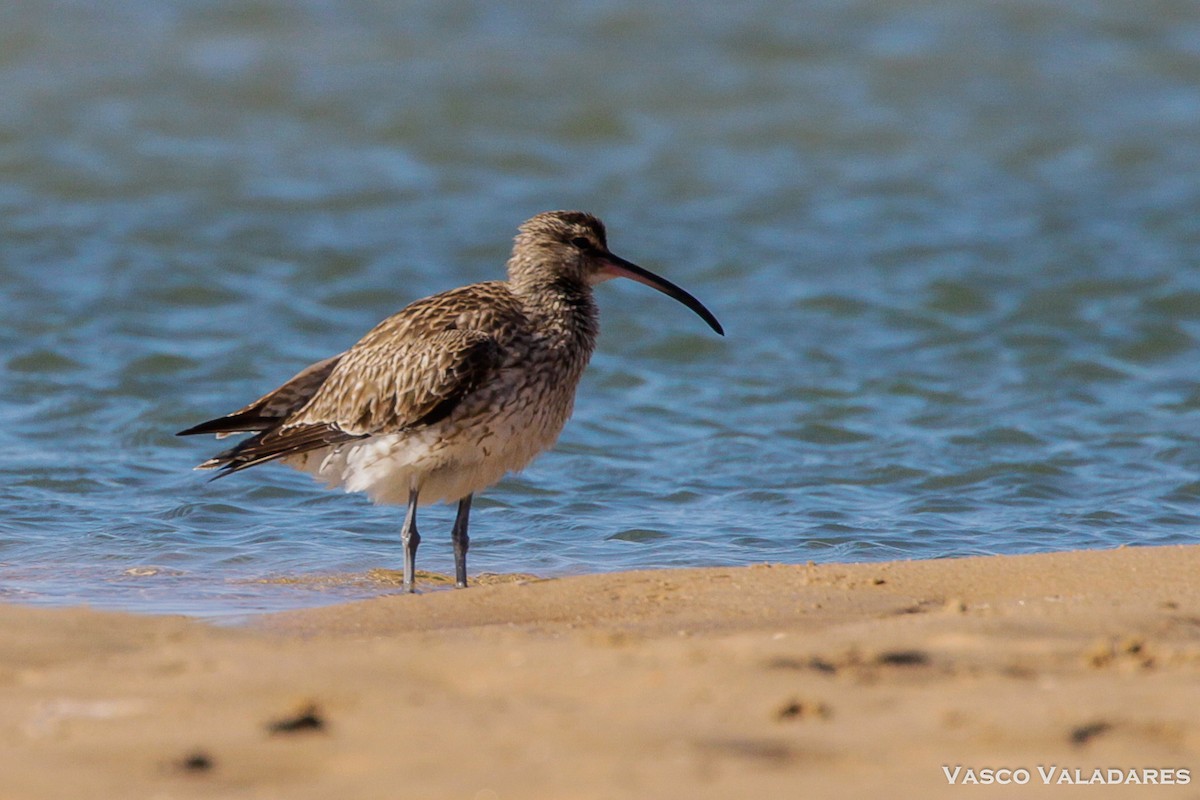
448	395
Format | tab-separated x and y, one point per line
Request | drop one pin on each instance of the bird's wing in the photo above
410	370
273	408
388	386
378	386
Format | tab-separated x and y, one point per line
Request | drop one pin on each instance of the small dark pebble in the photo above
198	761
1085	733
790	710
309	719
821	665
794	709
917	609
903	658
814	663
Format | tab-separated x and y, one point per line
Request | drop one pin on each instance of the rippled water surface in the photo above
955	245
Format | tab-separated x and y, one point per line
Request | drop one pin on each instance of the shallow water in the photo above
954	245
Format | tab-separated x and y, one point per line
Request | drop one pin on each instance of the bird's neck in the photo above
563	310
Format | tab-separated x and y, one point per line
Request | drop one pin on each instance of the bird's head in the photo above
572	247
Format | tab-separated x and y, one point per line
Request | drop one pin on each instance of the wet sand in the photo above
768	681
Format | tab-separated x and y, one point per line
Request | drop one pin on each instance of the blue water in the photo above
955	245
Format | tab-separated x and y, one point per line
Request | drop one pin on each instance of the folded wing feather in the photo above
374	388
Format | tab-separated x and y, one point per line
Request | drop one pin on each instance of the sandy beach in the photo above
773	681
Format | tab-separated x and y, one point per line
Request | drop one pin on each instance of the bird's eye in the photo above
581	243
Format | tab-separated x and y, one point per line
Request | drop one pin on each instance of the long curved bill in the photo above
620	268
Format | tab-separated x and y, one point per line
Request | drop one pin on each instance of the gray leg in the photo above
409	538
458	535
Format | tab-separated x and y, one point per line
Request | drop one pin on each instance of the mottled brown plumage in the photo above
446	396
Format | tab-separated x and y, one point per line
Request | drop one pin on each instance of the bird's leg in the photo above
409	538
458	535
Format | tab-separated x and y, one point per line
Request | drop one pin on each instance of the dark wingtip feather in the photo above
234	423
273	408
270	445
224	472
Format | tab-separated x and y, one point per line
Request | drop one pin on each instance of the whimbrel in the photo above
445	397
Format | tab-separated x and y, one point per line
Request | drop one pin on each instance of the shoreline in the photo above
761	681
